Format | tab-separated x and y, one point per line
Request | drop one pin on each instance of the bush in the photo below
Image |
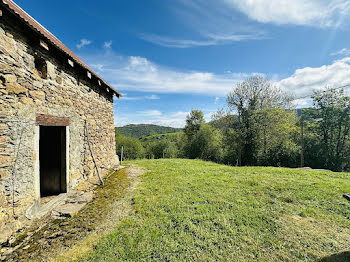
206	144
162	149
133	148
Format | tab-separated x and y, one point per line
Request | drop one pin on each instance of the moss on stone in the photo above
59	234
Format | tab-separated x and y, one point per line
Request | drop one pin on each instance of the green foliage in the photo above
277	146
206	144
163	145
329	125
202	141
257	103
161	149
260	128
190	210
133	148
141	130
193	123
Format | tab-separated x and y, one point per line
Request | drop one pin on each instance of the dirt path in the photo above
73	238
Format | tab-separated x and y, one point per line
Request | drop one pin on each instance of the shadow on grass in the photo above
344	256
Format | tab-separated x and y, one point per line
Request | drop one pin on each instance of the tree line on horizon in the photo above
260	127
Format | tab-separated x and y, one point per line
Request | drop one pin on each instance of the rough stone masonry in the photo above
42	85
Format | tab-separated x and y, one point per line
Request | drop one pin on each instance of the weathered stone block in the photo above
3	139
4	173
20	52
39	95
5	159
26	100
14	88
9	35
3	126
4	68
50	70
6	44
10	78
38	84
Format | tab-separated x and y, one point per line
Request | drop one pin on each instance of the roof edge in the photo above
36	26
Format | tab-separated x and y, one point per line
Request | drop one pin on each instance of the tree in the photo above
202	141
329	121
252	100
193	123
162	149
278	146
206	144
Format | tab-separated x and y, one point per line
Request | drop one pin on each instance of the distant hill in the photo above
157	137
141	130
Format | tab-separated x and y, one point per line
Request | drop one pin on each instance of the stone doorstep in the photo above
61	206
67	210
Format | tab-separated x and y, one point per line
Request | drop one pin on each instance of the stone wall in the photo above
24	94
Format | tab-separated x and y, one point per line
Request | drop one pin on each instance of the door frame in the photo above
37	163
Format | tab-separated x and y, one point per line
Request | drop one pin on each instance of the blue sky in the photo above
170	56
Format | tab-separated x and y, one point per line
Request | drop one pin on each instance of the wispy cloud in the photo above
178	43
341	52
83	42
108	44
209	23
207	40
130	98
318	13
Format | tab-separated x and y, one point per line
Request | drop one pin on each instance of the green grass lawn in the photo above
189	210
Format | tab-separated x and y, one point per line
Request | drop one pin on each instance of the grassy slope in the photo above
193	210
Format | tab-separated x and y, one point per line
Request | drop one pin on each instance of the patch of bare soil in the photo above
72	238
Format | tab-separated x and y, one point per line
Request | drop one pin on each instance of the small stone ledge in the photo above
66	204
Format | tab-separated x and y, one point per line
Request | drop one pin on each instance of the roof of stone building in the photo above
35	25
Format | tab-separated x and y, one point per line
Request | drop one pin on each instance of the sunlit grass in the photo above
193	210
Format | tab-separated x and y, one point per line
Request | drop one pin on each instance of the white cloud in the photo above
304	81
83	42
319	13
139	74
181	114
216	99
152	97
341	52
155	117
108	44
151	113
302	103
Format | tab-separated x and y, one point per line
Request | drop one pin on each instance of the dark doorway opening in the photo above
52	156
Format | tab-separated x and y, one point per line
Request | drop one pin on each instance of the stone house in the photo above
56	118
